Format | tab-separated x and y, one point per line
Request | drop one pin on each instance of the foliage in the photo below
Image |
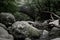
37	7
21	16
8	6
32	8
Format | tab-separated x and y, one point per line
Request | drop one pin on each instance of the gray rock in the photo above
27	39
26	29
7	18
56	39
45	35
55	32
2	25
4	35
36	24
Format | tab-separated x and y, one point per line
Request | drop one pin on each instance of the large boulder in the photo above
26	29
7	18
2	25
56	39
55	32
45	35
4	35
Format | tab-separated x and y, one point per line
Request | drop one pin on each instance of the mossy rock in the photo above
7	18
26	29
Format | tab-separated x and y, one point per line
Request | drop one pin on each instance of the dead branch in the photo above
52	14
51	17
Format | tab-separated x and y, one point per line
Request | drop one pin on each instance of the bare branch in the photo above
52	13
51	17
